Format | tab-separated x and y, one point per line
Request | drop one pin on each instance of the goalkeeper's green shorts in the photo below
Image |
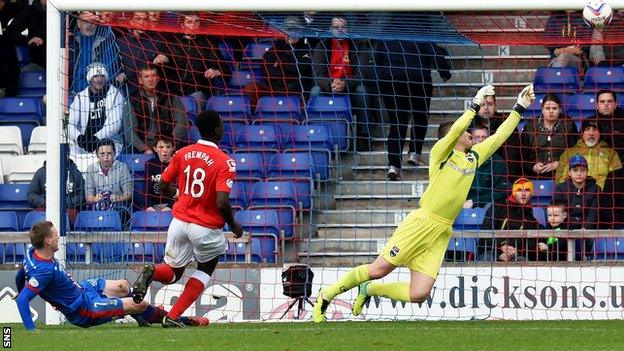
419	243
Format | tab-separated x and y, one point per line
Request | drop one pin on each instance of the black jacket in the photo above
75	187
582	204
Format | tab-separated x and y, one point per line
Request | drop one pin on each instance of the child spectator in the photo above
155	200
580	194
553	248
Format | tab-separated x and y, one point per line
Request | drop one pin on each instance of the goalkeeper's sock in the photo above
395	291
352	279
163	273
153	314
194	287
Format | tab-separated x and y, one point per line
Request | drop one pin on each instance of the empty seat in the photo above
249	165
97	221
24	167
239	195
297	165
333	111
151	221
32	84
231	108
608	248
33	217
190	106
107	252
540	215
23	55
259	221
580	106
14	196
15	253
24	113
135	163
543	192
597	78
11	140
140	252
230	134
83	161
258	137
279	108
307	137
263	249
274	194
76	252
557	79
462	249
535	109
9	221
240	79
38	141
470	218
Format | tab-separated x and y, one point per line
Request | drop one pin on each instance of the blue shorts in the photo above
96	308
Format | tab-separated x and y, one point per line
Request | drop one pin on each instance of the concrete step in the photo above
462	76
315	247
499	62
362	215
364	201
385	187
379	172
469	91
496	50
493	23
357	231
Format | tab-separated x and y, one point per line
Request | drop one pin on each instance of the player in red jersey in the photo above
204	175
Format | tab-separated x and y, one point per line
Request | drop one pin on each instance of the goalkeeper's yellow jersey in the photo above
451	172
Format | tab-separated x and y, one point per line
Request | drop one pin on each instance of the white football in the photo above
597	13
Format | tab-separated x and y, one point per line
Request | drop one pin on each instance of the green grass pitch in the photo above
416	335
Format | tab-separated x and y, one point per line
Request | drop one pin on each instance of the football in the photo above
597	14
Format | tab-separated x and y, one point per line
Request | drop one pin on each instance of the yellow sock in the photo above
352	279
395	291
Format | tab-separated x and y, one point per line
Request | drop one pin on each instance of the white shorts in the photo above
186	241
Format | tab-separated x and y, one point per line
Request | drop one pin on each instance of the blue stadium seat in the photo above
240	79
258	137
557	79
470	218
32	84
298	165
33	217
239	195
190	106
279	108
307	137
259	221
193	134
249	165
608	248
465	248
264	249
144	221
235	253
14	197
597	78
274	194
535	109
230	134
579	106
539	213
333	111
76	252
9	221
255	51
543	192
15	253
23	55
25	113
140	252
231	108
107	252
227	54
135	163
97	221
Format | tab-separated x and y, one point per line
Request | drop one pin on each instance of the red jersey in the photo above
201	171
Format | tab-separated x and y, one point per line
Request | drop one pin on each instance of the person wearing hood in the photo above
74	190
601	159
96	113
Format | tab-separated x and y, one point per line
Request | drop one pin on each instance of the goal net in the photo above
330	118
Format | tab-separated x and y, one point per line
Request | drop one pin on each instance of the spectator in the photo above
611	120
604	51
553	248
31	20
403	76
544	139
336	66
92	43
108	183
153	113
516	214
74	190
154	167
490	182
96	113
287	65
138	48
567	27
600	158
580	194
9	65
195	63
510	151
611	208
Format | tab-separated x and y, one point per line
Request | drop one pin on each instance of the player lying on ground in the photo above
88	303
421	239
204	175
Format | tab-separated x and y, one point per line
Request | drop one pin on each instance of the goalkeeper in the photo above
420	241
88	303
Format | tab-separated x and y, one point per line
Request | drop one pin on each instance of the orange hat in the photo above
522	183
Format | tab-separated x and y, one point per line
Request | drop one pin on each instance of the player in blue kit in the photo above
88	303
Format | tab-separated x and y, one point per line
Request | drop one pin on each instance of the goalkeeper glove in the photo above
479	99
525	99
